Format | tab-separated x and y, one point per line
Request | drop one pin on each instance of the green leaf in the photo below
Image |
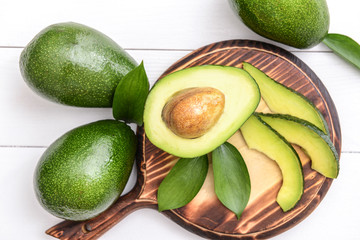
231	178
182	183
344	46
130	96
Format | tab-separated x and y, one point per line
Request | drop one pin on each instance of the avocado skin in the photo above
84	171
297	23
75	65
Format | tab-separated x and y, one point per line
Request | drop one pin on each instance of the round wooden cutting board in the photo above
205	215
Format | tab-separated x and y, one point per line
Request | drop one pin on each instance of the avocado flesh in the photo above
324	158
84	171
261	137
297	23
284	100
75	65
241	99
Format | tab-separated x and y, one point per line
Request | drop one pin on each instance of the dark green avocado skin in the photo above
75	65
297	23
84	171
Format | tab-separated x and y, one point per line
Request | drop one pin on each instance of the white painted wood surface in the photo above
158	32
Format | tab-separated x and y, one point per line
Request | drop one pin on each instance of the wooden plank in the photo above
342	80
20	209
147	28
33	121
157	24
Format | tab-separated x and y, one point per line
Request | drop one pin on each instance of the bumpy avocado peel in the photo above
73	64
297	23
84	171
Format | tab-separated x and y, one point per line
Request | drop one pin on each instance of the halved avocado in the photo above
284	100
323	155
260	136
231	96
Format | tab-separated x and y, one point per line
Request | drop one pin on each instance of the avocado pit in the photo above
192	112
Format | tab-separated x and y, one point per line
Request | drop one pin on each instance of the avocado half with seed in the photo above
192	111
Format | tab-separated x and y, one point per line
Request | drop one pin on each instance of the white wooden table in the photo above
158	32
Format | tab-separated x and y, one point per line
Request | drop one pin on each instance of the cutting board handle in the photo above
94	228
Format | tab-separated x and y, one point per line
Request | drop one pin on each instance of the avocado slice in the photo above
297	23
73	64
323	155
284	100
260	136
236	96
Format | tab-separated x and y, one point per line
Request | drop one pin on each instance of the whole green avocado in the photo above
297	23
75	65
84	171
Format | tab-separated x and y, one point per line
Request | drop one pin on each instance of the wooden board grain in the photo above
205	215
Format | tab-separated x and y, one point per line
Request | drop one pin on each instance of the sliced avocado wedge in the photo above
239	96
260	136
284	100
323	155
